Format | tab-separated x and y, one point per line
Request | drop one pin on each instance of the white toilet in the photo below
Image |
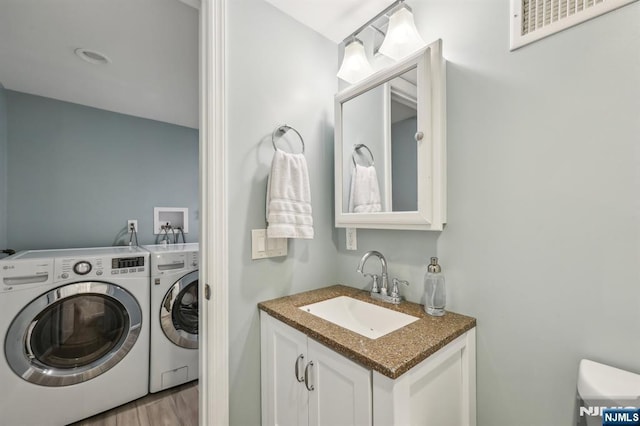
600	385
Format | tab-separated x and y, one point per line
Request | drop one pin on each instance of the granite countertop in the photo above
392	354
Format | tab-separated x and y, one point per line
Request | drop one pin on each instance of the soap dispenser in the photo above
434	289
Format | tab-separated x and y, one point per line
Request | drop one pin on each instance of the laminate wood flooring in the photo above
173	407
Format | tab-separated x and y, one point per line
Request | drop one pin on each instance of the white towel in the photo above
289	197
364	196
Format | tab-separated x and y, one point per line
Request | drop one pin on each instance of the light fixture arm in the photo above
389	10
378	30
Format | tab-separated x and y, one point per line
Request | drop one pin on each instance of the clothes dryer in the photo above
74	325
174	312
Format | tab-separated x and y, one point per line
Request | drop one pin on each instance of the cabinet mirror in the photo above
390	147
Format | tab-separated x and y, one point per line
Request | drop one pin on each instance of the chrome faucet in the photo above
381	292
385	278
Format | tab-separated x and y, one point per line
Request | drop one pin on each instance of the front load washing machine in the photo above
75	333
174	315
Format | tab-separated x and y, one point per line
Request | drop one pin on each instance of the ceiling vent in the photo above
532	20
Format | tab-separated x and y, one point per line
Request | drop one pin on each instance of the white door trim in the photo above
214	343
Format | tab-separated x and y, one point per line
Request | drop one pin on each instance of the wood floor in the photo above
173	407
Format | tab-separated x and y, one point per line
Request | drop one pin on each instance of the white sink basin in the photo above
364	318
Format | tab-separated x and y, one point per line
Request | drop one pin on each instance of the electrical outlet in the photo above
133	222
352	240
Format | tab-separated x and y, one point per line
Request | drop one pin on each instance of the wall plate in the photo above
133	222
176	217
352	240
263	247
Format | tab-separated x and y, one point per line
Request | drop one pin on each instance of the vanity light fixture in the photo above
400	39
355	65
402	36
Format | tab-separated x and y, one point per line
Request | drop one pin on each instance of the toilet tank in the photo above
602	386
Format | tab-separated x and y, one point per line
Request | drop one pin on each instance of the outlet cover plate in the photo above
263	247
133	222
352	239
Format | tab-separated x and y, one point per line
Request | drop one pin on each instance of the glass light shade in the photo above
402	36
355	65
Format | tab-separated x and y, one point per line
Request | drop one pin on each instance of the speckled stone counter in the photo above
392	354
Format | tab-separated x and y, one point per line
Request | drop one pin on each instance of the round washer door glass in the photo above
179	312
78	330
73	333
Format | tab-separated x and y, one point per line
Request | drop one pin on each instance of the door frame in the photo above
214	343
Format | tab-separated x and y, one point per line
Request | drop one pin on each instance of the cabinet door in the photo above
341	394
284	397
439	391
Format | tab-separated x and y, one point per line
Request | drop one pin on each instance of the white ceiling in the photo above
335	19
153	45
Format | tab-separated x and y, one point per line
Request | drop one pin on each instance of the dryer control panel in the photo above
171	263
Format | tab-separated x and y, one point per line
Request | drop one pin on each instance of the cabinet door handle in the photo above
297	368
306	376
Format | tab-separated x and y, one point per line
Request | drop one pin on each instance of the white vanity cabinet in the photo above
305	383
439	391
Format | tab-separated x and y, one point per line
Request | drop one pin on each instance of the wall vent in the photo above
532	20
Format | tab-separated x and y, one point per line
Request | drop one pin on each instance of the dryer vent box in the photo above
176	217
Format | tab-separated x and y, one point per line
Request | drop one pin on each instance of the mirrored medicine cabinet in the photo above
390	128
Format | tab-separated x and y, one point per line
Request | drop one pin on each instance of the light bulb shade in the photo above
402	36
355	65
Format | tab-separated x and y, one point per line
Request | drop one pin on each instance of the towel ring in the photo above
357	148
280	131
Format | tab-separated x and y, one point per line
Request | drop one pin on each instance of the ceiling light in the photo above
402	36
92	56
355	65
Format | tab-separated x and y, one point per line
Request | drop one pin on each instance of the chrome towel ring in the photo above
356	148
280	131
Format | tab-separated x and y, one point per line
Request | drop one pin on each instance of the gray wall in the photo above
278	71
543	239
3	168
407	254
76	174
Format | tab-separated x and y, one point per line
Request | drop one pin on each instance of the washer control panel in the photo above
21	274
127	262
101	267
130	265
73	268
82	268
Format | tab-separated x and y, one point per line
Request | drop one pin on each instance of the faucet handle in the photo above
395	292
374	288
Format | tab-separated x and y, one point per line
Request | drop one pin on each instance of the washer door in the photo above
179	312
73	333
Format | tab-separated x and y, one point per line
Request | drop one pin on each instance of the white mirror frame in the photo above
431	213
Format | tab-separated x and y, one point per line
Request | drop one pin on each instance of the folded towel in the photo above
364	196
289	197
